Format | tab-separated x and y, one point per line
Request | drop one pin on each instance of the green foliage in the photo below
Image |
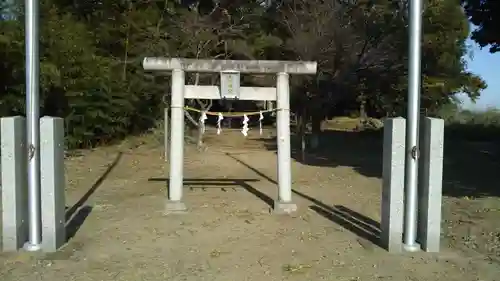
485	14
471	125
91	55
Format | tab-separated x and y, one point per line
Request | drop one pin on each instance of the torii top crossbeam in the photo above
242	66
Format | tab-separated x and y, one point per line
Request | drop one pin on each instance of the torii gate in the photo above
230	89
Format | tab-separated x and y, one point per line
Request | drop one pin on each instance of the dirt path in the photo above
228	233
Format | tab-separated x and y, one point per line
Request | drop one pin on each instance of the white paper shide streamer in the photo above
261	117
203	117
219	121
245	129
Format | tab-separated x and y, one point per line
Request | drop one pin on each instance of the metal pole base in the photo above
32	247
412	248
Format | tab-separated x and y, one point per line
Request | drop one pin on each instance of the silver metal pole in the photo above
411	172
33	125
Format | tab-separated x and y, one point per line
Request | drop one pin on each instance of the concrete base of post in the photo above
393	181
14	184
284	208
430	184
175	207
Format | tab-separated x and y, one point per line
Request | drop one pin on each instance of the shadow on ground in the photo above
78	213
360	150
223	184
363	226
470	167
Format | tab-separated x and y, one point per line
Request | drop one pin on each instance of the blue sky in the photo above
487	66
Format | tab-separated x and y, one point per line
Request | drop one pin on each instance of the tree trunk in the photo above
363	116
199	140
301	132
316	120
362	111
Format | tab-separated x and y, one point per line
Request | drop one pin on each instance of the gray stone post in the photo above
393	184
430	184
52	183
14	183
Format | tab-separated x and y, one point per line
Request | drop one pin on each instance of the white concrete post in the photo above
14	184
431	184
175	186
393	185
52	183
284	203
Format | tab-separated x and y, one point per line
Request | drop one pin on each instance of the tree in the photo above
485	15
91	54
